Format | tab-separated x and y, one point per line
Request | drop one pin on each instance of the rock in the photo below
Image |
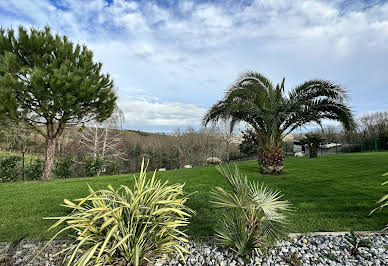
213	160
28	245
240	261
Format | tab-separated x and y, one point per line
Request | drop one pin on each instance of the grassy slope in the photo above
329	193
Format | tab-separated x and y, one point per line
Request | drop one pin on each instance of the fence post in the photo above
177	153
376	144
23	166
212	152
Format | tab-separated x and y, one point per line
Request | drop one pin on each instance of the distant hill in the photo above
141	133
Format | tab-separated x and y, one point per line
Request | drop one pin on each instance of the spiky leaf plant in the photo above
252	214
126	226
383	200
356	243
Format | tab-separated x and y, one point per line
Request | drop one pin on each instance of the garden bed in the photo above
299	249
310	249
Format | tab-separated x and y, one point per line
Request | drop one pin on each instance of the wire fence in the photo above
176	159
367	145
200	158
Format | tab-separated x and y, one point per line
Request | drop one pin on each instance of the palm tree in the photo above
253	99
313	141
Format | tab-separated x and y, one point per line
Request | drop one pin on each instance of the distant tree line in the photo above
98	147
369	126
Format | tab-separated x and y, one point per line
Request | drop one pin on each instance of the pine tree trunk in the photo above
227	151
271	160
49	160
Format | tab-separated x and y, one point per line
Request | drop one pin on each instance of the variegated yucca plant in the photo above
383	201
126	226
252	215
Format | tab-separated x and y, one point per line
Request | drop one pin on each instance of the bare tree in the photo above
374	125
330	133
227	135
104	140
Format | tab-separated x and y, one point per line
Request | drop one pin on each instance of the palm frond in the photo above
252	213
383	201
252	98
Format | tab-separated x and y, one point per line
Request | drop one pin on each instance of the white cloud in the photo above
135	22
186	54
164	115
185	6
155	13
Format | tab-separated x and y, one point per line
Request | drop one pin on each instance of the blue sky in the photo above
171	60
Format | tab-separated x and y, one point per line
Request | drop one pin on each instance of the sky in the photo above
171	60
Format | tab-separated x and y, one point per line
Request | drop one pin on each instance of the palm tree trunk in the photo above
313	151
271	160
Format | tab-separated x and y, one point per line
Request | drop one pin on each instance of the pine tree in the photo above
50	83
250	143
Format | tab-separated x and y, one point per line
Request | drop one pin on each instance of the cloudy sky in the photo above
172	59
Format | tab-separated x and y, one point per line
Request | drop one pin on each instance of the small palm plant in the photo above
125	226
383	200
313	141
273	113
252	215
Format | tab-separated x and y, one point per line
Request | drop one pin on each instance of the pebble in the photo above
310	250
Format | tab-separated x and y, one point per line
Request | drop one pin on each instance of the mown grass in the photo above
329	193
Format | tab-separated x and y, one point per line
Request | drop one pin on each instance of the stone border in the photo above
292	235
338	233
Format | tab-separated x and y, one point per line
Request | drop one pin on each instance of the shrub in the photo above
253	215
92	167
9	168
34	170
126	226
112	168
64	167
383	200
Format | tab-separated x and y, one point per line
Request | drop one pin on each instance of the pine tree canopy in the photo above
45	79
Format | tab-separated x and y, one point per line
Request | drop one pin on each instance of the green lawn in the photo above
330	193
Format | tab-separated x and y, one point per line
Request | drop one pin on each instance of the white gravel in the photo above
309	250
